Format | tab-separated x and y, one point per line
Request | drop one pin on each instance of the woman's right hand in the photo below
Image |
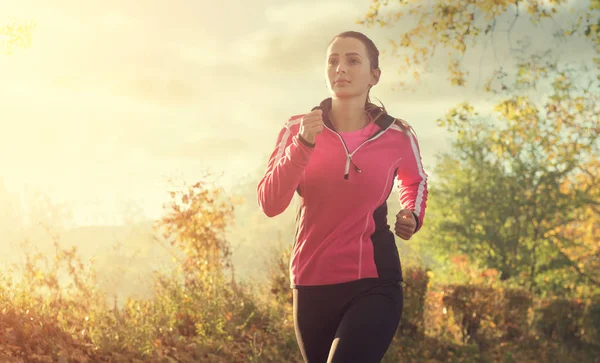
311	125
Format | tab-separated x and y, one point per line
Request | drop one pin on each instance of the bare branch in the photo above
493	30
512	25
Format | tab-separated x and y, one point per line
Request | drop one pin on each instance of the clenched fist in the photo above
311	125
405	224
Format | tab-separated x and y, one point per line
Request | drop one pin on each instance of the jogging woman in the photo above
342	159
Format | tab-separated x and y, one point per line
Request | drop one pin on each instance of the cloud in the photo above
223	147
176	80
296	35
167	91
291	45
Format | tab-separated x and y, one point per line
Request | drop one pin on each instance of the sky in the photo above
115	97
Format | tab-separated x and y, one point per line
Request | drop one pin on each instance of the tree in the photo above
195	223
14	35
578	239
518	191
460	25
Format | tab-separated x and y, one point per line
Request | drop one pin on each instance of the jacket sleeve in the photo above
412	179
284	171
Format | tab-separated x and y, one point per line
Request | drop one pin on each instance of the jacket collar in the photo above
383	121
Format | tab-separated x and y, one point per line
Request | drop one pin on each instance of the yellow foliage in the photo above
16	35
454	24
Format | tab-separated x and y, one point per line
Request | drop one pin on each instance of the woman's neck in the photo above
348	114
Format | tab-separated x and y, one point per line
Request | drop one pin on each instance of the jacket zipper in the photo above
349	155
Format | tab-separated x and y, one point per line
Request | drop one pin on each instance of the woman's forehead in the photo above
346	46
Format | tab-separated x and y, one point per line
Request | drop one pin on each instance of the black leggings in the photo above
349	322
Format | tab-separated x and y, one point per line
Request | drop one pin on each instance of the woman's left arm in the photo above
412	184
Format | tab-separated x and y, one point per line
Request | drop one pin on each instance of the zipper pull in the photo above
347	170
354	165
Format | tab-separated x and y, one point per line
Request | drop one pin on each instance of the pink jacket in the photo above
342	233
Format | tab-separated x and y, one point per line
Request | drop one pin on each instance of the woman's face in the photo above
349	71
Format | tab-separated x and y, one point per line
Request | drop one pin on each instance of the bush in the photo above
591	321
518	304
485	314
55	312
279	277
416	280
473	308
439	321
560	319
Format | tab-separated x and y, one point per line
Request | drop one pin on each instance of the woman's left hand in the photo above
405	224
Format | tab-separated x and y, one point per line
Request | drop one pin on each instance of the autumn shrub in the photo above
516	315
36	336
46	306
485	314
428	348
53	310
474	309
278	340
415	284
536	349
279	277
560	319
438	319
226	319
591	321
216	312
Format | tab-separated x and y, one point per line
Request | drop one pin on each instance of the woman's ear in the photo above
375	75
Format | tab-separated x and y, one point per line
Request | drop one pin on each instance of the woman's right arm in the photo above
284	170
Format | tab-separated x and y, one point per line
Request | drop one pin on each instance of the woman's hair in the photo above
373	55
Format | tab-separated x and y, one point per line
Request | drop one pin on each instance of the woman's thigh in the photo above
368	326
316	319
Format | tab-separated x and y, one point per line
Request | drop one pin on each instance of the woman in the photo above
342	158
